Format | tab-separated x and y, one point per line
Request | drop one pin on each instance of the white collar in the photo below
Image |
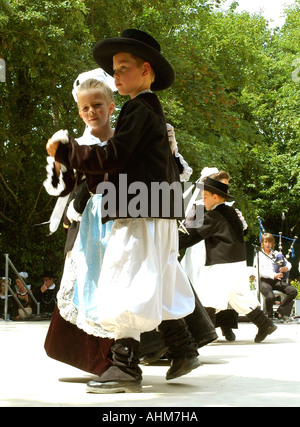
142	92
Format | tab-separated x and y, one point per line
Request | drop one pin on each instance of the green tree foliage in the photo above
274	105
233	105
44	44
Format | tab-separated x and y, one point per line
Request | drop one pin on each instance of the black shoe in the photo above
284	319
154	356
228	334
114	380
264	324
182	366
264	332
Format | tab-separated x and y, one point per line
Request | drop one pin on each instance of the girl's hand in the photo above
51	147
52	144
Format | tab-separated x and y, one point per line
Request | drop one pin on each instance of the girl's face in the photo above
94	109
2	287
20	285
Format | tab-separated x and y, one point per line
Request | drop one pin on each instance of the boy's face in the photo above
48	281
267	244
94	108
210	199
129	76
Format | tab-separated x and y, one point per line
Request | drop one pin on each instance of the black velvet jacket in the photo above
139	152
223	234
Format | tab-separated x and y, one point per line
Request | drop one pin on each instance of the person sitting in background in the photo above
271	280
24	298
46	294
2	299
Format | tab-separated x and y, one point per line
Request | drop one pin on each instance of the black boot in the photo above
228	333
182	348
125	375
152	347
264	324
200	325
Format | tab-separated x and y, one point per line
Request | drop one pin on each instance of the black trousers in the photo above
266	288
198	323
227	318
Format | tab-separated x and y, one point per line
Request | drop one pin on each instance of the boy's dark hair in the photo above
220	175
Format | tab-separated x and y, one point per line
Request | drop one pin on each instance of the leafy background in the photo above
234	105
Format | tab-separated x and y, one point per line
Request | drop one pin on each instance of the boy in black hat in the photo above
141	282
46	293
225	279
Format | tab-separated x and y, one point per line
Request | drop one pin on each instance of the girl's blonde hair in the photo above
96	84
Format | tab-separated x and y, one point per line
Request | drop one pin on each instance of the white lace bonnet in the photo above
97	74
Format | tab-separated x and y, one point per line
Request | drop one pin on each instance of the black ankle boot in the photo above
264	324
228	333
125	375
182	349
152	347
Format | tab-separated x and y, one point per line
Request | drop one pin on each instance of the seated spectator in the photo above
271	280
46	294
24	298
2	299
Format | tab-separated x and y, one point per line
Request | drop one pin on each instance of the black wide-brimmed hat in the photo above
48	273
139	44
215	187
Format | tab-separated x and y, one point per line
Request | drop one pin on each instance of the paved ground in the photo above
232	375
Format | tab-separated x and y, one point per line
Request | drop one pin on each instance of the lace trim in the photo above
48	183
67	308
187	170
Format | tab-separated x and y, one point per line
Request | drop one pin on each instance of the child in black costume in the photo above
152	288
225	278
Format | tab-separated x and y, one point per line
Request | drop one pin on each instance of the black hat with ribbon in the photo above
215	187
140	44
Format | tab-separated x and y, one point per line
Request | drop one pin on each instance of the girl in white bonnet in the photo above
23	296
